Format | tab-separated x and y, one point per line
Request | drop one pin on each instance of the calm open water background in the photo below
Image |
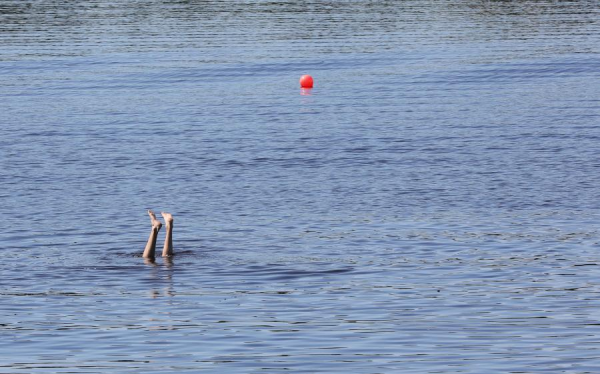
431	206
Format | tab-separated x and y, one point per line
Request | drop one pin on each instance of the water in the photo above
431	206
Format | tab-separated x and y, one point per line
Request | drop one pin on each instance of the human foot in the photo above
155	223
168	218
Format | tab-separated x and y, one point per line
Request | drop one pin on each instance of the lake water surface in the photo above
431	206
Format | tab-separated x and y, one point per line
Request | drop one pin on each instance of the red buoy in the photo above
306	81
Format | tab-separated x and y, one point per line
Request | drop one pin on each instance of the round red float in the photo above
306	81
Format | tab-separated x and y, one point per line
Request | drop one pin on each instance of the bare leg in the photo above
168	248
151	244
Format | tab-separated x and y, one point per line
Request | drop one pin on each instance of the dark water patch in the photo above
270	272
519	73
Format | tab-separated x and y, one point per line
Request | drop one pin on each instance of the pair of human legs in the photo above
156	225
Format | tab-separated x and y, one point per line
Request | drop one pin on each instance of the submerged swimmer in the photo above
156	225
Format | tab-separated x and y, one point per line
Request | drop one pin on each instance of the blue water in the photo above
431	206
